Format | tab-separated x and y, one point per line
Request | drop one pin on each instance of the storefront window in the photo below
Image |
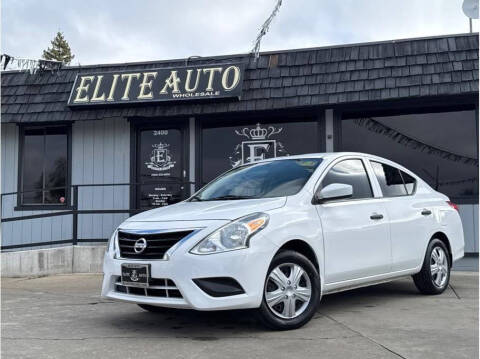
44	171
226	147
440	147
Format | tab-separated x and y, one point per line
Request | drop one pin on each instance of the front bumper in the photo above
247	266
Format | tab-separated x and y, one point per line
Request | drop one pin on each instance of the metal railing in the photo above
72	209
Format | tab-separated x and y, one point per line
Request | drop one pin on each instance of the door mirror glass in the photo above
334	191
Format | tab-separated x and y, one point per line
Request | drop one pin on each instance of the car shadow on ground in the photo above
199	325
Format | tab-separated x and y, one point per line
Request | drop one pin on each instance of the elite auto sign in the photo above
158	85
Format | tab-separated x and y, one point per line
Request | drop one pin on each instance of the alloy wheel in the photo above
439	267
288	290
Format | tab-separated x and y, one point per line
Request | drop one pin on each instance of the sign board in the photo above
158	85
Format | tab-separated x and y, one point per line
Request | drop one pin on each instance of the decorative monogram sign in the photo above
160	159
158	85
260	144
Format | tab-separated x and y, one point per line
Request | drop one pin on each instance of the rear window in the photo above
393	182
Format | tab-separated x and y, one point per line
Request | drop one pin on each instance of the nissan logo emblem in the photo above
140	245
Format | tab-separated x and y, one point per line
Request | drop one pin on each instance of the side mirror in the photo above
333	191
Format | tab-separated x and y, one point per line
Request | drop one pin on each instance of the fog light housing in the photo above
219	286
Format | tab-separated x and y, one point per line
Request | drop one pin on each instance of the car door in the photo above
355	230
410	216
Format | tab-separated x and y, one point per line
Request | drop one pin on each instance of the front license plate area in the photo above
135	275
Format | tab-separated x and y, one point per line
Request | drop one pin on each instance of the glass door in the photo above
160	166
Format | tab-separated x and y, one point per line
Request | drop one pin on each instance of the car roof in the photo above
330	156
324	155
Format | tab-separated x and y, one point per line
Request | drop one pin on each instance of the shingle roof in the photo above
386	70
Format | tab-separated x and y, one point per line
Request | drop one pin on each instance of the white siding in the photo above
101	154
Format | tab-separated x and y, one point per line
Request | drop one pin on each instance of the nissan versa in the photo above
278	234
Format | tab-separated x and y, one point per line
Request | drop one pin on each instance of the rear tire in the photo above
435	273
292	287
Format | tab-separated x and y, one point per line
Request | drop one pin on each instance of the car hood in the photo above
209	210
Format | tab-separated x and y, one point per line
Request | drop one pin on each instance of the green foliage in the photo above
60	50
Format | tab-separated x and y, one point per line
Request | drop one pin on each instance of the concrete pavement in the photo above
64	317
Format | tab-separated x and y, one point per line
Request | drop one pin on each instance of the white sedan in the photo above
278	234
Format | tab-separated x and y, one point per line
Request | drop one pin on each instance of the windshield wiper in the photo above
195	198
228	197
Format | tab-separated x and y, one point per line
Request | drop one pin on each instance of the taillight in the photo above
453	205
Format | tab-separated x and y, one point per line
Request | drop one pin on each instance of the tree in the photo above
60	50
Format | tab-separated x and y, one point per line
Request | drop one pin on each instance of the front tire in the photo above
291	292
435	274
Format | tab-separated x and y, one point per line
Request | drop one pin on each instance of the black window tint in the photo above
44	169
390	180
32	178
441	147
226	147
409	181
55	168
350	172
159	167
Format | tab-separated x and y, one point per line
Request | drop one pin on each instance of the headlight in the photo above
112	243
234	235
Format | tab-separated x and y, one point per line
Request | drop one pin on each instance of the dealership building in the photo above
84	147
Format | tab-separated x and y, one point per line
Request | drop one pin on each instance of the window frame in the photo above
333	164
371	160
21	152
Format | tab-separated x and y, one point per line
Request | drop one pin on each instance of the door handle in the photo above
376	216
426	212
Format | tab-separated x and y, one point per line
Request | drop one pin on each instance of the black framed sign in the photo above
158	85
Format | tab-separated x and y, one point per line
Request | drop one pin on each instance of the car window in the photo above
260	180
409	181
350	172
390	179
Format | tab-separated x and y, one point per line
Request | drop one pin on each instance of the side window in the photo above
44	170
350	172
390	180
409	181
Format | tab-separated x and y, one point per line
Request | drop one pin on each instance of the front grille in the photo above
157	244
157	287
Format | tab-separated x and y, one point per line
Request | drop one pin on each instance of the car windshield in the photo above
260	180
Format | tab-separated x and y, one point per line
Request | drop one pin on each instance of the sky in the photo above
116	31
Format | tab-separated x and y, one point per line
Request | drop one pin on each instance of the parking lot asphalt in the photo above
64	317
